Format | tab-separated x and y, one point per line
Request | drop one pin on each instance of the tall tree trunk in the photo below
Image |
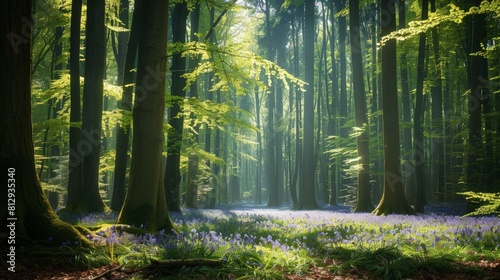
145	204
176	120
272	183
123	130
220	178
418	132
324	166
489	142
496	127
120	48
234	178
89	199
376	105
448	113
281	32
393	198
75	157
332	118
496	124
192	181
343	72
307	199
437	118
258	179
458	162
320	141
477	76
93	89
363	203
212	196
222	141
294	101
26	212
279	130
405	98
343	106
298	150
193	160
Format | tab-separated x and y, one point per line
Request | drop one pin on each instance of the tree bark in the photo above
342	107
307	199
258	171
212	195
405	100
343	72
437	146
193	160
26	212
324	70
393	198
294	101
75	158
123	130
234	178
418	132
363	202
376	105
332	120
145	204
88	199
192	181
477	71
280	33
272	183
279	119
176	119
222	141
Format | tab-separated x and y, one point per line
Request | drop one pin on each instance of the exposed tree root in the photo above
106	274
157	266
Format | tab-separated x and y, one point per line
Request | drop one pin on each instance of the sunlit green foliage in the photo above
454	14
234	67
489	203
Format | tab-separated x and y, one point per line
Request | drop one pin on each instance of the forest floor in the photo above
490	271
31	269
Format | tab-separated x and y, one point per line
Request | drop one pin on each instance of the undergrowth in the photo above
269	245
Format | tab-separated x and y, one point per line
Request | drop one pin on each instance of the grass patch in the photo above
269	244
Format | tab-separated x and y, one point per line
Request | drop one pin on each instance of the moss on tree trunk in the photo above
29	211
392	202
141	216
36	221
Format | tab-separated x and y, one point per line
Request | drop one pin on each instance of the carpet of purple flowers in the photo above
270	244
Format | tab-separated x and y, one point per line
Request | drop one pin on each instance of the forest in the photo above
250	139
